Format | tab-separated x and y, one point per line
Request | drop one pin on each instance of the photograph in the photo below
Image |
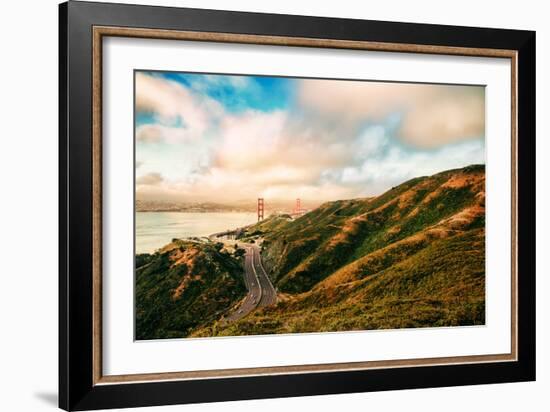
286	205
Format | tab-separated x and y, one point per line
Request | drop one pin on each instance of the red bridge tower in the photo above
260	208
298	208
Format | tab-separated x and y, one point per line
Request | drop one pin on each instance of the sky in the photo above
233	138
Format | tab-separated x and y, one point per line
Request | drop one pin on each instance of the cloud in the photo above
155	133
150	179
256	139
432	115
447	118
367	165
336	140
250	140
174	106
395	164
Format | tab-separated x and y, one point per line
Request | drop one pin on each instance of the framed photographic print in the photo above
257	205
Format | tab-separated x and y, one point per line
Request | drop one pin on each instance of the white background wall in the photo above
28	204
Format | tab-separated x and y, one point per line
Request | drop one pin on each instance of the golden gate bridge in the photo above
295	213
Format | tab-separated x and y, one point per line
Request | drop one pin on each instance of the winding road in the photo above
260	289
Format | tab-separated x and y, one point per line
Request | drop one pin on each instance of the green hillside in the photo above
183	286
412	257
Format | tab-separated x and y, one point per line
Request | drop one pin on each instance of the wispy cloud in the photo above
157	133
150	179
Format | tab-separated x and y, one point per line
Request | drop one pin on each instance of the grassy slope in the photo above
411	257
442	285
306	251
183	286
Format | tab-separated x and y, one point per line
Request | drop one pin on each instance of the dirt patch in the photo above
183	257
439	232
393	230
414	212
186	257
350	228
406	199
464	218
458	181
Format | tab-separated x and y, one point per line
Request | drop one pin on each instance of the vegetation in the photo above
306	251
183	286
411	257
442	285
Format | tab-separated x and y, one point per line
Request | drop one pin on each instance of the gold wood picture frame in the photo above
83	30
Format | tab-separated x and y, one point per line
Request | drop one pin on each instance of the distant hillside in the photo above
411	257
205	207
183	286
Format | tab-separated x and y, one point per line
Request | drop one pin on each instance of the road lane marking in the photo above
256	275
271	287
